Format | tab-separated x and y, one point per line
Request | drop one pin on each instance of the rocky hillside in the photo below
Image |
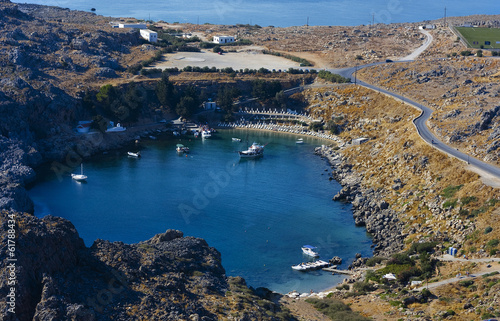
406	193
395	179
169	277
463	91
48	56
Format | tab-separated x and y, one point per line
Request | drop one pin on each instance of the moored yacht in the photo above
79	177
309	250
253	151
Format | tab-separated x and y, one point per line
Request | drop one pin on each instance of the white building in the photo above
149	35
223	39
133	25
210	105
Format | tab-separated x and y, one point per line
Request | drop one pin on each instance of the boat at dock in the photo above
309	250
253	151
79	177
206	133
307	266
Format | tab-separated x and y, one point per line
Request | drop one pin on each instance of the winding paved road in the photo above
420	121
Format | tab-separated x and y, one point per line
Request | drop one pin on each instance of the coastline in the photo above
118	141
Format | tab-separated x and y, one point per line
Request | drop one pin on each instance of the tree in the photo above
189	102
106	96
165	92
280	99
186	107
218	49
265	89
133	99
225	97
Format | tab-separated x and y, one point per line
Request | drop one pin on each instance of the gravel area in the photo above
251	59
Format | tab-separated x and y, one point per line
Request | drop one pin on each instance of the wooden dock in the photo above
333	270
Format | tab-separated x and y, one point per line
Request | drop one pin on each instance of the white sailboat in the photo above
79	177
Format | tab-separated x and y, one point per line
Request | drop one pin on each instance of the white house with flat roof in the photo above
223	39
149	35
133	25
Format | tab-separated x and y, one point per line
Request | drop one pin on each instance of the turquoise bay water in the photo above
257	213
281	13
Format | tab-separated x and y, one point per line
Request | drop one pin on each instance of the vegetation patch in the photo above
328	76
303	62
450	190
335	310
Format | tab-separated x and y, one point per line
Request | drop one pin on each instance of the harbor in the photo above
248	209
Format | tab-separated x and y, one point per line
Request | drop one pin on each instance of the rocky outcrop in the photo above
169	277
15	173
368	205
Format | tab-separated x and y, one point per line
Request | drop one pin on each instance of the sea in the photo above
257	212
282	13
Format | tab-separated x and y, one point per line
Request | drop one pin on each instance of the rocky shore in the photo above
368	206
168	277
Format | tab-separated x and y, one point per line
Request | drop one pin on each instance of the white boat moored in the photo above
309	250
79	177
253	151
132	154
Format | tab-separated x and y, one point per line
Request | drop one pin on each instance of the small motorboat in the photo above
182	149
79	177
132	154
236	139
299	141
309	250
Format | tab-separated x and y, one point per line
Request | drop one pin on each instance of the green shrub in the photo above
396	303
363	287
450	203
343	287
335	309
450	191
493	243
468	199
466	283
450	312
487	315
328	76
374	260
426	293
465	53
424	247
303	62
401	259
463	212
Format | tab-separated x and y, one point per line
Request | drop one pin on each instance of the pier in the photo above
334	270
